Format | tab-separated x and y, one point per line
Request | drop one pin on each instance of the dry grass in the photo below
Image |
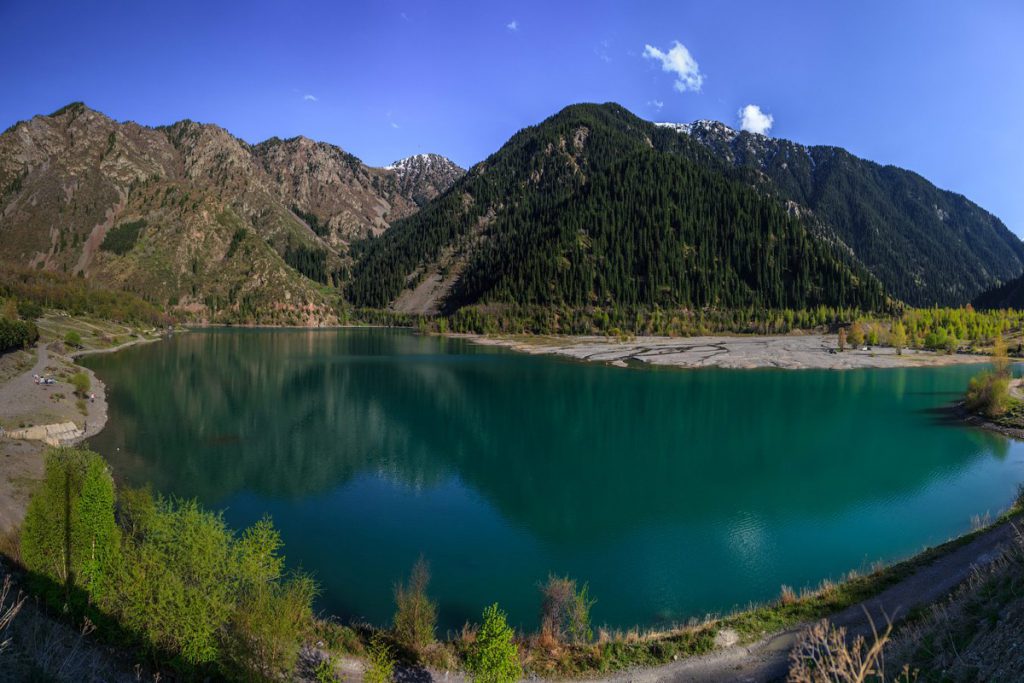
975	633
10	545
8	611
824	654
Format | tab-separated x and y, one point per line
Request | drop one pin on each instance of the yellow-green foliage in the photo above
898	336
69	535
494	657
416	614
77	296
380	664
80	381
988	394
168	572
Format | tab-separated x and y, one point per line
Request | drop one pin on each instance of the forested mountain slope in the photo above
592	209
928	246
1007	295
595	207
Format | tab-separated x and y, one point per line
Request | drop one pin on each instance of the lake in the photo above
673	493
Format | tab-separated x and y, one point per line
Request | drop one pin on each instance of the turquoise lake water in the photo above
673	493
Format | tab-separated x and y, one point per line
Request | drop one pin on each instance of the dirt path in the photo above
134	342
767	659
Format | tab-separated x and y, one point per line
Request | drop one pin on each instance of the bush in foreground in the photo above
494	657
988	394
380	662
170	574
416	615
69	534
565	611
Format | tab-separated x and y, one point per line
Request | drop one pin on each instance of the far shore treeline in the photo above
25	295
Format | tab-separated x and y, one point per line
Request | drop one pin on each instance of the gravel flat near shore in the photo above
791	352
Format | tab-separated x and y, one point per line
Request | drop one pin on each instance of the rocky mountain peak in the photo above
423	177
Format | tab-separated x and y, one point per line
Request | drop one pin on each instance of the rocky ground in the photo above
794	352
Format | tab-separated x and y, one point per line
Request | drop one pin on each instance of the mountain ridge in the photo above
224	230
899	224
591	207
543	221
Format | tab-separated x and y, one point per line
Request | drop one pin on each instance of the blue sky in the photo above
937	87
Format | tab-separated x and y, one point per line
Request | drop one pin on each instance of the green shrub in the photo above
263	637
988	394
168	572
565	611
29	310
380	662
194	590
72	338
17	334
69	534
323	672
416	615
175	586
494	657
80	381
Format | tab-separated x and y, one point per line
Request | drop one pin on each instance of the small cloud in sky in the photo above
680	62
394	125
512	25
753	120
404	16
311	98
602	51
657	104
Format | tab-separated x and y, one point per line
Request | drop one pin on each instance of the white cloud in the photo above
394	125
512	25
657	104
680	62
404	16
310	98
753	120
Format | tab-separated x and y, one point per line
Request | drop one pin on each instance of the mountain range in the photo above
192	217
592	208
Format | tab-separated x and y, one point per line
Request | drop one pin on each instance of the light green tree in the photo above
70	534
898	337
494	656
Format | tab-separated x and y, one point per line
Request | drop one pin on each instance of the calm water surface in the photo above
673	493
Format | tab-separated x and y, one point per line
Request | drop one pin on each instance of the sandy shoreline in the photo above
791	352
